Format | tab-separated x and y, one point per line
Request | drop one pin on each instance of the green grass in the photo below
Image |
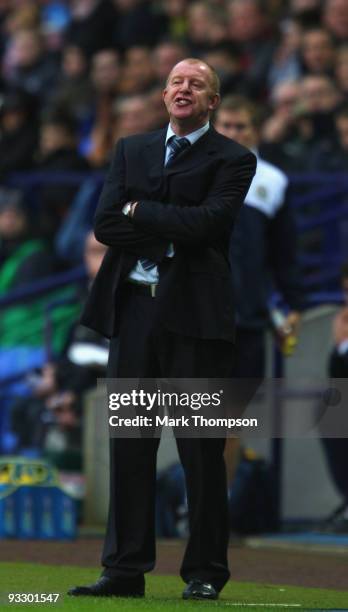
163	593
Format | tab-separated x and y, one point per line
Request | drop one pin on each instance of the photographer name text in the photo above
195	420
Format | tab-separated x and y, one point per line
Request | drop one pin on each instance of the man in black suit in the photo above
163	295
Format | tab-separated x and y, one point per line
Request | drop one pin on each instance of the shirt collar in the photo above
191	137
255	151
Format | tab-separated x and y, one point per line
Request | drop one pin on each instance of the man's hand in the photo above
287	334
289	326
285	329
292	322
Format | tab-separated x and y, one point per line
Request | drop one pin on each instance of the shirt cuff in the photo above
126	208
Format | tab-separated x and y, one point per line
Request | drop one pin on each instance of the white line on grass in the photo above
269	605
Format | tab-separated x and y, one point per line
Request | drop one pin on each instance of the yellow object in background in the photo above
21	471
288	345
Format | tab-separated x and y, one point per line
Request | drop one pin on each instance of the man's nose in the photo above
185	86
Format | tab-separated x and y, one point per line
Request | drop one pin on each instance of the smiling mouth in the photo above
182	102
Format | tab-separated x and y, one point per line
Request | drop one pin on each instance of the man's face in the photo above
318	94
12	223
245	20
26	48
336	17
165	56
318	51
133	116
54	137
237	124
189	95
105	70
285	99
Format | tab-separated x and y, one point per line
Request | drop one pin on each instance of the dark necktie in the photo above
176	146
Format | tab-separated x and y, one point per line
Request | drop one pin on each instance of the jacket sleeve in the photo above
211	218
112	227
283	256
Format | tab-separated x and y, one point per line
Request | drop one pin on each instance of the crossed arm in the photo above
112	227
154	224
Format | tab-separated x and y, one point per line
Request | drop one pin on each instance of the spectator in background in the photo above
86	354
176	18
285	64
319	100
28	65
52	417
164	56
250	26
225	60
69	242
132	116
265	225
138	74
293	134
23	257
156	112
206	27
105	77
105	73
341	70
91	26
22	16
128	115
335	18
137	24
332	155
341	122
5	6
58	153
55	18
317	51
318	93
281	142
73	91
18	132
301	7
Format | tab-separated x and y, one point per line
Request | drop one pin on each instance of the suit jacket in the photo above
193	204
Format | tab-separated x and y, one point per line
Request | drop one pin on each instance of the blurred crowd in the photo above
77	75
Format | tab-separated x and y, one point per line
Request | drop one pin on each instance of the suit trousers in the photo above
145	349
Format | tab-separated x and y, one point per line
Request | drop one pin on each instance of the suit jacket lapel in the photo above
195	155
154	155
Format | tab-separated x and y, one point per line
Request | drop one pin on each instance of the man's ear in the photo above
214	102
